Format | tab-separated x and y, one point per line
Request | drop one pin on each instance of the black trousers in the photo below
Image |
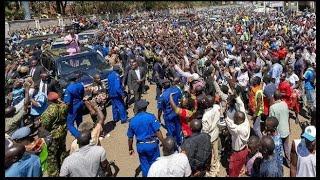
136	94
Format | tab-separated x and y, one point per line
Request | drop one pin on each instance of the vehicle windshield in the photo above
31	42
69	64
58	46
85	36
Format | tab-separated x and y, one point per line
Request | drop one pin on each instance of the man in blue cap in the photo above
146	128
171	119
25	137
73	97
116	95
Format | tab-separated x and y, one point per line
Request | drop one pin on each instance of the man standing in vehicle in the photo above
72	42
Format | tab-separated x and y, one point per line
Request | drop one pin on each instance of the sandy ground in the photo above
116	145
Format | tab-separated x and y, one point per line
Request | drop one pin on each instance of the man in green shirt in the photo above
280	110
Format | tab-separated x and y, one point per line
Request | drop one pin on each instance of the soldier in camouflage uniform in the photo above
53	121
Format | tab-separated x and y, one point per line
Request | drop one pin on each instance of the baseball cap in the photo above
310	133
142	103
52	96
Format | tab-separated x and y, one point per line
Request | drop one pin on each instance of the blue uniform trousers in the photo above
173	126
75	114
118	109
148	153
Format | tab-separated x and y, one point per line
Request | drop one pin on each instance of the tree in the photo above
26	9
58	6
17	4
61	8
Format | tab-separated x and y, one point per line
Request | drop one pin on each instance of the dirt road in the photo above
117	144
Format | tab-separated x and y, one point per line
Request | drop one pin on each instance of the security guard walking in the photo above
116	95
73	97
171	119
146	128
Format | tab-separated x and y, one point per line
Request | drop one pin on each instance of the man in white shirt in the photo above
137	71
210	120
172	164
36	70
239	129
292	78
243	77
186	74
43	87
136	80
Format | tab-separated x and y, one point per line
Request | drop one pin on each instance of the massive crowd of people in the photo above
225	87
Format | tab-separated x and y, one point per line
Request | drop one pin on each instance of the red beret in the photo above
53	96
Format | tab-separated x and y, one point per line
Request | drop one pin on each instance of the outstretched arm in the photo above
159	135
173	105
130	142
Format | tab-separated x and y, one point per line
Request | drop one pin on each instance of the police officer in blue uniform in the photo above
73	97
171	119
146	128
116	95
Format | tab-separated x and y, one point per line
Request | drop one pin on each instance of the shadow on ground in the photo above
137	171
109	126
116	169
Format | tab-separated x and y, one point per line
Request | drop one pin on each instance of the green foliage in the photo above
101	7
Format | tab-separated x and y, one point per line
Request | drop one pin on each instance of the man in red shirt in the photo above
285	89
282	53
287	95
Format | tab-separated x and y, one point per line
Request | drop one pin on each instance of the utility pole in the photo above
26	10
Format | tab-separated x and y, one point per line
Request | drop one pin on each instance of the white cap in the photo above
310	133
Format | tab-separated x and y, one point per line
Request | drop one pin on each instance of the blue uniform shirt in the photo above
41	99
28	166
115	86
144	126
105	50
74	93
17	96
164	100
